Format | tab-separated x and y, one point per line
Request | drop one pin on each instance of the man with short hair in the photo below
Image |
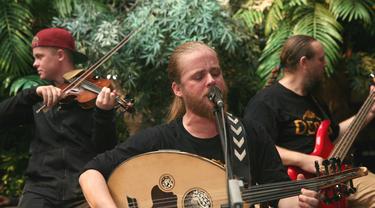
193	70
66	135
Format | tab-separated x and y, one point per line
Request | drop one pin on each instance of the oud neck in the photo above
344	143
269	192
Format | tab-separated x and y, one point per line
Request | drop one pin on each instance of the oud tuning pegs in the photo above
326	164
339	164
333	165
317	168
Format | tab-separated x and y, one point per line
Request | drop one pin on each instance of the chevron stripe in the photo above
235	121
240	156
240	142
237	131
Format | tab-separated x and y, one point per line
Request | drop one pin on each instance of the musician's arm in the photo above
304	161
306	199
345	124
95	189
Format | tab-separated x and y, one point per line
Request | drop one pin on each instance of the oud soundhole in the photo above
197	198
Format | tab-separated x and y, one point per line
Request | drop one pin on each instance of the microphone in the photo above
214	95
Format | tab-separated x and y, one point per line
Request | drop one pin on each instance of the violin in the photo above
88	90
84	80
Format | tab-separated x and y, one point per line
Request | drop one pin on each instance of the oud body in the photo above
166	181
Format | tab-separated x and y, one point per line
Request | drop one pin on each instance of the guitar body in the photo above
164	179
323	148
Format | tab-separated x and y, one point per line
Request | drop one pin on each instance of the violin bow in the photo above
97	64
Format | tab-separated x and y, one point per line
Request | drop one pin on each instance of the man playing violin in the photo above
66	135
193	69
292	115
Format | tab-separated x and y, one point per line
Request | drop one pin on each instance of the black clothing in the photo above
291	120
265	162
66	138
31	200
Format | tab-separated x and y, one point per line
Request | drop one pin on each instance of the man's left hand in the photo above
371	114
106	99
307	198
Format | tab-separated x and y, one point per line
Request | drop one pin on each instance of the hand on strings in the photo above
50	94
4	200
307	198
308	163
106	99
371	114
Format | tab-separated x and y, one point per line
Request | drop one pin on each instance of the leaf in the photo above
15	38
275	14
25	82
350	10
270	55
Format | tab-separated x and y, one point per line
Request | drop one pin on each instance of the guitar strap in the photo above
238	148
322	111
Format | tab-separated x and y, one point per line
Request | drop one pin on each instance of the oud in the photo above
179	179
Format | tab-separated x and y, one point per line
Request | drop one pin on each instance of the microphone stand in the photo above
233	185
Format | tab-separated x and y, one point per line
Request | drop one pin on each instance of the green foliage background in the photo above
247	34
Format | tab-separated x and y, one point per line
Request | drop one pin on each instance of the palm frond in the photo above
25	82
15	37
351	10
317	21
293	3
270	54
251	17
64	7
273	17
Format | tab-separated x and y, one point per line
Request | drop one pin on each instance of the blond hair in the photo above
177	107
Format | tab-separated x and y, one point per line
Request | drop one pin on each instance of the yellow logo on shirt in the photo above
308	125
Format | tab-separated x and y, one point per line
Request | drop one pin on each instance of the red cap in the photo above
58	38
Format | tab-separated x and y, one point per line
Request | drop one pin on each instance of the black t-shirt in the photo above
266	166
291	120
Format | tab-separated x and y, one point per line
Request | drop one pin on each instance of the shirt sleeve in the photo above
145	141
104	129
260	112
18	109
266	165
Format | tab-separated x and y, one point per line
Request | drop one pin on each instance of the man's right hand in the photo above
4	200
50	94
307	162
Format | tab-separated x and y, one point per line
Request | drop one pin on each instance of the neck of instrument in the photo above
275	191
345	142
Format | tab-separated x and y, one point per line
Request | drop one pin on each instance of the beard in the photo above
313	82
202	106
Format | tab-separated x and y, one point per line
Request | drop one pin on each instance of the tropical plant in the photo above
15	36
141	64
319	19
